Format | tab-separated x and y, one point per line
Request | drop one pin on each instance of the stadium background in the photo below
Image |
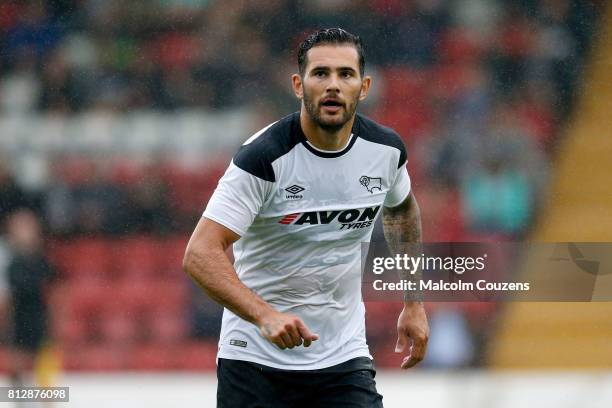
117	119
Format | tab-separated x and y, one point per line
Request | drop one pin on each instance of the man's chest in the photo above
329	199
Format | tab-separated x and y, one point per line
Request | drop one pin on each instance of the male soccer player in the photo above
297	200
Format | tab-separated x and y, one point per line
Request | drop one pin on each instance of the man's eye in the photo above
319	74
346	74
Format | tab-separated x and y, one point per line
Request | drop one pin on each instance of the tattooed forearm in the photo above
402	228
402	224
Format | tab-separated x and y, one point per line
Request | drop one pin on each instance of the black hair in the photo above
329	36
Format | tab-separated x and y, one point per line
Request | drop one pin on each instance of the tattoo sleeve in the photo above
402	229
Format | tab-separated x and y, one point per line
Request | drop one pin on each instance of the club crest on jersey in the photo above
293	192
348	219
371	183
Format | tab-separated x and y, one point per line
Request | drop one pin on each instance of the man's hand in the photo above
412	326
286	330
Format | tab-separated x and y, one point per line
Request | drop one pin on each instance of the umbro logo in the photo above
371	183
294	192
294	189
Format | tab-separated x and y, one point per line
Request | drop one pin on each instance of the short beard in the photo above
316	118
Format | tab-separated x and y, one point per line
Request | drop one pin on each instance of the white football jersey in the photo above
302	215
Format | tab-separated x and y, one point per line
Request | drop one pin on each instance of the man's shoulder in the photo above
256	155
376	133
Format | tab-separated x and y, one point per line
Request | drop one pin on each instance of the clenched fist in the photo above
286	330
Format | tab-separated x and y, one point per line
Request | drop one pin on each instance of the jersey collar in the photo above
322	153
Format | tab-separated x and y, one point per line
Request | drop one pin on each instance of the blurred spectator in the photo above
21	88
100	204
498	198
450	344
59	90
150	204
499	188
5	296
35	32
12	196
29	273
59	208
205	315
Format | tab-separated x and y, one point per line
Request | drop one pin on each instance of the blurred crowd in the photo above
68	56
478	89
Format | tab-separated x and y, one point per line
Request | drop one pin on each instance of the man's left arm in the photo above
402	227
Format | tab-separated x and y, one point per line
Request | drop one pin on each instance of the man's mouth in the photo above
331	105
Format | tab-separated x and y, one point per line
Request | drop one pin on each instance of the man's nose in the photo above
333	84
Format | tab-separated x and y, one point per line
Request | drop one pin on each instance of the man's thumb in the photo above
305	331
401	343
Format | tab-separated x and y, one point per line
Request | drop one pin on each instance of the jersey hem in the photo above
327	364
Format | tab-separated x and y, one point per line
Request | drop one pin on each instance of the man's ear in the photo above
296	80
365	87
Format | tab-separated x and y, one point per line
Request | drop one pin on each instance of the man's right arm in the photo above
207	263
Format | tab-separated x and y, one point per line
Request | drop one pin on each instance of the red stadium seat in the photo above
64	326
168	328
137	257
68	331
4	360
87	303
385	356
174	50
96	358
75	170
118	328
190	189
84	258
171	260
154	356
140	298
89	298
411	122
380	318
198	356
404	85
442	214
407	109
127	172
449	81
459	45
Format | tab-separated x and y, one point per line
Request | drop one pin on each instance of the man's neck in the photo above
322	139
